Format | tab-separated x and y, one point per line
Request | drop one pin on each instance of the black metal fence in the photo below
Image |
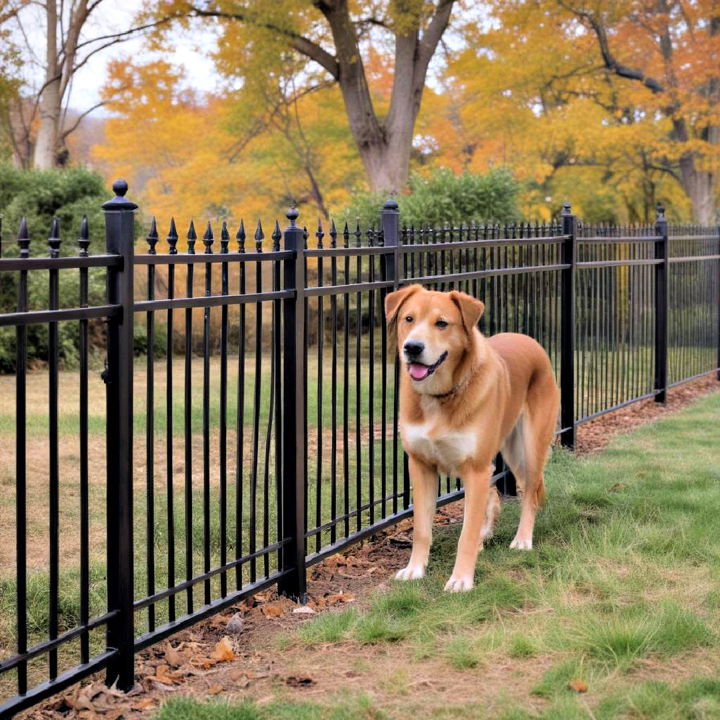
257	434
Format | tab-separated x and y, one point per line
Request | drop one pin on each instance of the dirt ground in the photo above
240	653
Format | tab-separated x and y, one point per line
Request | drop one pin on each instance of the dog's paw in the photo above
411	572
459	584
521	544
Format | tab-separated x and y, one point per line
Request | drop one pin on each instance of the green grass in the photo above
625	575
352	708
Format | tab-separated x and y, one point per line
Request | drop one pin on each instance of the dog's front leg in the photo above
424	489
477	488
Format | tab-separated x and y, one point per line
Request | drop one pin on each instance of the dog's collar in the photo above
449	393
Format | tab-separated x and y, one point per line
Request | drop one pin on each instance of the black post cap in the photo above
119	202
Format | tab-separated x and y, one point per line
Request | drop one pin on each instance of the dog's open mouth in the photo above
418	371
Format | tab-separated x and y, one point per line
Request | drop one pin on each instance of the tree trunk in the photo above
387	163
699	186
50	98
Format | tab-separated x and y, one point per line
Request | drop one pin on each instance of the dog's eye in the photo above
408	318
441	323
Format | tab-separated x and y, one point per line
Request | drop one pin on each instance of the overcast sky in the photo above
114	17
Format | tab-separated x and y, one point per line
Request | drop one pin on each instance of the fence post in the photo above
294	582
661	305
567	330
118	376
390	224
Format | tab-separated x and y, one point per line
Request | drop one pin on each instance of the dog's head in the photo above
435	331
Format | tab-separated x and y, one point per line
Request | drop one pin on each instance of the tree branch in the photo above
610	61
303	45
81	117
131	31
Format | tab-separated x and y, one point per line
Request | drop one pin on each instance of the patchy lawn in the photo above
615	614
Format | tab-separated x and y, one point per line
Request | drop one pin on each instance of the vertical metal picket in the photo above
661	305
718	307
118	376
293	583
567	329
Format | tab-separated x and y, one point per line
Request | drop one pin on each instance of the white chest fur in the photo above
448	449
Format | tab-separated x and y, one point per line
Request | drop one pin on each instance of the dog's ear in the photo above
471	308
394	300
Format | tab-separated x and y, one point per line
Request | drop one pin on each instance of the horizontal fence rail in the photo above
218	413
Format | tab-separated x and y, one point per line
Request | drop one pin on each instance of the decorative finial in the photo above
191	238
276	235
391	203
172	237
319	234
152	237
54	238
660	211
119	202
120	187
292	214
333	234
224	237
84	238
567	210
23	239
259	236
240	236
208	238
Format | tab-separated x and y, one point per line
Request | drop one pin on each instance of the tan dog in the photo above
463	398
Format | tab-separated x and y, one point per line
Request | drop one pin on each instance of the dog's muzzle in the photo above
419	372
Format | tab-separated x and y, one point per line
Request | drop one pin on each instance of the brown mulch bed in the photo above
595	435
236	653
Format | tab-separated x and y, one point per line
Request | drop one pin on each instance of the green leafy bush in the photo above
39	196
446	199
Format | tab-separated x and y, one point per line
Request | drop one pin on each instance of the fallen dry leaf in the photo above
579	686
215	689
143	704
173	657
223	651
338	598
271	610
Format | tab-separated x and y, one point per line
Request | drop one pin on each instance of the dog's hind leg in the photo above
526	450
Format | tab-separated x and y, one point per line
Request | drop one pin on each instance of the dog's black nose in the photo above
413	348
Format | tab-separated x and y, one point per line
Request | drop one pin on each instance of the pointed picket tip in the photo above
259	234
172	237
208	238
84	237
191	234
23	238
54	238
54	233
240	236
152	237
23	231
276	235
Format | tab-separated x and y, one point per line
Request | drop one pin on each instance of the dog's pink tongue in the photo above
417	371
